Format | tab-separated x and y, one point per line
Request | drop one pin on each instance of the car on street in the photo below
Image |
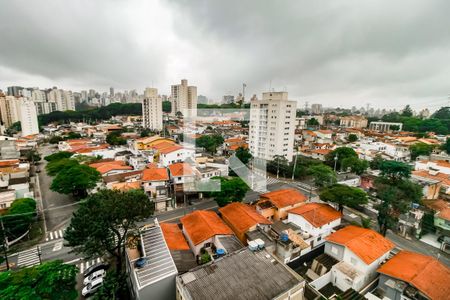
97	274
92	287
96	267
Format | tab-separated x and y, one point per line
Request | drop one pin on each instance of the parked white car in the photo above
93	276
92	287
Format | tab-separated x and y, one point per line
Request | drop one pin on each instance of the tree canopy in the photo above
356	165
323	175
244	155
58	165
210	142
418	149
395	170
75	180
352	138
102	223
166	106
344	195
438	123
231	190
18	218
376	162
341	153
58	155
51	280
115	138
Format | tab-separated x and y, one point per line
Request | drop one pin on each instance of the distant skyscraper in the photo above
64	99
184	98
28	117
15	91
152	110
111	92
228	99
43	106
202	99
272	125
316	109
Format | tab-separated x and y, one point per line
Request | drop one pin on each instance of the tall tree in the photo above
210	142
231	190
51	280
19	217
376	162
75	180
356	165
418	149
58	155
407	111
446	146
115	138
352	138
243	154
395	170
323	175
102	223
338	155
166	106
56	166
344	195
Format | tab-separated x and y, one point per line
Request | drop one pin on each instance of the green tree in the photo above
407	111
114	285
418	149
32	156
115	138
312	122
443	113
56	166
55	139
58	155
210	142
72	136
352	138
145	132
356	165
102	223
243	154
279	166
341	154
232	189
376	162
344	195
446	146
75	180
396	195
323	175
395	170
19	217
166	106
51	280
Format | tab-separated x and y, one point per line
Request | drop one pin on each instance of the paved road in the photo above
58	208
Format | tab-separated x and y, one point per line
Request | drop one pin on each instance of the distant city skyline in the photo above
333	53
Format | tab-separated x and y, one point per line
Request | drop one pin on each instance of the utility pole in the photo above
4	243
295	160
335	161
39	253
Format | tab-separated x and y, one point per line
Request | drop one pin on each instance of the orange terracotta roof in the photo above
174	237
284	197
90	149
421	271
317	214
242	216
234	140
126	186
237	146
109	167
325	131
321	151
201	225
162	145
155	174
444	178
443	163
367	244
170	149
111	162
181	169
9	162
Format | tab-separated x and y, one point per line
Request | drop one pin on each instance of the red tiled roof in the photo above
242	216
201	225
110	162
174	237
181	169
367	244
126	186
317	214
170	149
9	162
444	178
155	174
284	197
321	151
423	272
441	206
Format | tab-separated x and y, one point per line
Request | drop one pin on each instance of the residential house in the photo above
182	176
170	154
320	154
243	275
353	122
126	186
360	252
324	136
150	267
410	275
155	182
7	196
204	229
111	167
441	210
440	166
243	218
275	205
149	143
433	183
316	221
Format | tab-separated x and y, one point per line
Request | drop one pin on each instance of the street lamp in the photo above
335	161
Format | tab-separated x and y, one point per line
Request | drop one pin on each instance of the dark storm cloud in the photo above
330	52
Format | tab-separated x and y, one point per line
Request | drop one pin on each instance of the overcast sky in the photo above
337	53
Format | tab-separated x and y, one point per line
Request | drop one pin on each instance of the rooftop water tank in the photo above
284	237
252	245
220	252
260	243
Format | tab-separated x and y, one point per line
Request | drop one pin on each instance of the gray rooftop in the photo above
159	261
242	275
230	243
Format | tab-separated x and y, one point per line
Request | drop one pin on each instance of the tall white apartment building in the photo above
28	117
184	98
64	99
43	106
272	126
9	110
152	110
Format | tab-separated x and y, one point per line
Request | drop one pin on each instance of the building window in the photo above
353	261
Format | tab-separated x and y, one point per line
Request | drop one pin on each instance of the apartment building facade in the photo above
152	110
184	98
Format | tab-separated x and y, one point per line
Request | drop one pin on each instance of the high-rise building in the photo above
43	106
64	99
28	117
15	91
272	125
184	98
316	109
202	99
111	92
228	99
9	110
152	110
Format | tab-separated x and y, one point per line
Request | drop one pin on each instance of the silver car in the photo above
92	287
93	276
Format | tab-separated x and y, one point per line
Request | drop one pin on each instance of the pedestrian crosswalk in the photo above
28	258
54	235
84	264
